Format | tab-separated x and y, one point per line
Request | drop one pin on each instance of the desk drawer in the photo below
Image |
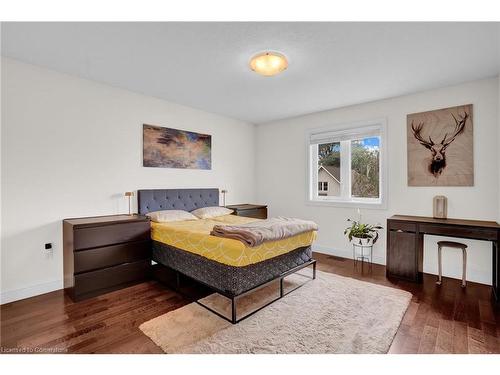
460	232
85	238
402	226
101	257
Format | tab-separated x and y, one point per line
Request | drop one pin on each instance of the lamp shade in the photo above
129	193
268	63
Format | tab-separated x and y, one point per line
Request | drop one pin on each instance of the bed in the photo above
224	265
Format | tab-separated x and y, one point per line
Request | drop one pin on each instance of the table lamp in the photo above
129	194
224	192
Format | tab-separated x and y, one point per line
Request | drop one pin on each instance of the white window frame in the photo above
343	200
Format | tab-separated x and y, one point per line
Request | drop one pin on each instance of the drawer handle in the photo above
399	231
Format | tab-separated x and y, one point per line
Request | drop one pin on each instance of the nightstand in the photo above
105	253
257	211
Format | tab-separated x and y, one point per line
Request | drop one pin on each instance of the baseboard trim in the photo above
31	291
35	290
342	253
472	276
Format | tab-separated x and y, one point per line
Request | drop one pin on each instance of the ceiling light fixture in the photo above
268	63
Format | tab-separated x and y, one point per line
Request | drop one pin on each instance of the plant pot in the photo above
362	241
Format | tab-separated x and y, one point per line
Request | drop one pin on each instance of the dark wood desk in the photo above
405	243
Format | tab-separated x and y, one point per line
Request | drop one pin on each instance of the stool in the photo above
455	245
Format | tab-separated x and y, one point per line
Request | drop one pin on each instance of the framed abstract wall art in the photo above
174	148
440	147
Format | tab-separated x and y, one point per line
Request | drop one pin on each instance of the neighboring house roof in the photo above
335	172
332	171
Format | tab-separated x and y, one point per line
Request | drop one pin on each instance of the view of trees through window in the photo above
365	158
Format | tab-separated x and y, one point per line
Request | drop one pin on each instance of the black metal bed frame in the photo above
234	298
149	200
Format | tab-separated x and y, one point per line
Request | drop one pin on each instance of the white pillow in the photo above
208	212
170	215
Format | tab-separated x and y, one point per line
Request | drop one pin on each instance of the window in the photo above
346	165
323	186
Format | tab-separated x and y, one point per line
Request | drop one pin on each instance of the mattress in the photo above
194	236
228	280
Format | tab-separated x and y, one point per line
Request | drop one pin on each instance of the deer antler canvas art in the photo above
440	147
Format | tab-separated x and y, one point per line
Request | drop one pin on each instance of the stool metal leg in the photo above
439	266
464	251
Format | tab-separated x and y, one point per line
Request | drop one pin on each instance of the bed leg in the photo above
177	280
314	270
233	310
281	287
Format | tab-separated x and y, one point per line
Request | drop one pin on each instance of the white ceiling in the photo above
205	65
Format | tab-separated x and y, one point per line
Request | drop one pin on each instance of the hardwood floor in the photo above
440	319
444	319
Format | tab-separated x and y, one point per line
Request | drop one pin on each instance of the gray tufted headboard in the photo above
175	199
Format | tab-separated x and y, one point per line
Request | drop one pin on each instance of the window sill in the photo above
378	205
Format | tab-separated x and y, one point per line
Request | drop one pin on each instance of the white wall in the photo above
498	131
282	182
72	147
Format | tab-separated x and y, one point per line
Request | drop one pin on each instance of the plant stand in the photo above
362	253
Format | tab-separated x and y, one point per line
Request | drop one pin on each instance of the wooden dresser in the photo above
105	253
257	211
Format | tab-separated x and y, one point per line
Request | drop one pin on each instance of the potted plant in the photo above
362	234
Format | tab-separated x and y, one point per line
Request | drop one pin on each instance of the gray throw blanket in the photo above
257	232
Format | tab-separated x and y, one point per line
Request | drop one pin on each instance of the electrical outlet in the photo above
49	251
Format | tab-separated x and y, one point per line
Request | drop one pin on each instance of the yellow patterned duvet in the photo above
194	236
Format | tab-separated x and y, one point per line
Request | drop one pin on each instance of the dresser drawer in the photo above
85	238
100	257
258	213
110	277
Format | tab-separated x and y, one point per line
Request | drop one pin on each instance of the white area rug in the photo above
332	314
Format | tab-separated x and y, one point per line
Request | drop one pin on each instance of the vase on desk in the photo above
440	207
